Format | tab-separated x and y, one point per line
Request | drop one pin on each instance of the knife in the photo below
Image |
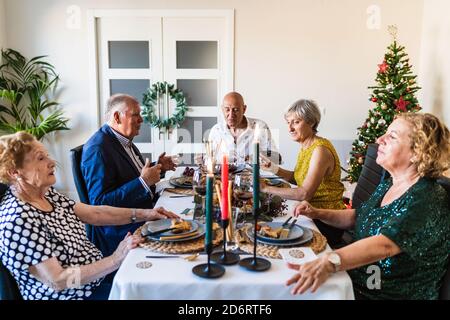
155	233
286	230
181	236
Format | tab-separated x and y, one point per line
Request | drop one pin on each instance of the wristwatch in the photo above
133	215
335	260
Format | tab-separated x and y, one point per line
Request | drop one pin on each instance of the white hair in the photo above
118	102
307	110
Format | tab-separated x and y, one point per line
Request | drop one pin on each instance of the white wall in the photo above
2	25
435	65
284	50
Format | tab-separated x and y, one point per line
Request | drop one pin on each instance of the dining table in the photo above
173	279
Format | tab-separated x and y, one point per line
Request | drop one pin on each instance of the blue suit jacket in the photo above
112	179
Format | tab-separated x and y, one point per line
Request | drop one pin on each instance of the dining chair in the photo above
8	285
80	185
371	176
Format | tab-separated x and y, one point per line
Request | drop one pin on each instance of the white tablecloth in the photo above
172	279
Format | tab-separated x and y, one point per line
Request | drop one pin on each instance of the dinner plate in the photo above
307	236
274	182
232	168
154	226
181	182
198	234
295	233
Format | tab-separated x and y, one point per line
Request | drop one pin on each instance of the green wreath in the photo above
149	102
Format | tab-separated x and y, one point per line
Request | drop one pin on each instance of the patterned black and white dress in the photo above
29	236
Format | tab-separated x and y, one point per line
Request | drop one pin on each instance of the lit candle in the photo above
209	204
225	188
256	170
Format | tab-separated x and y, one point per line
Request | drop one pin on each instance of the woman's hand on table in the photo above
310	275
304	208
128	243
159	213
268	165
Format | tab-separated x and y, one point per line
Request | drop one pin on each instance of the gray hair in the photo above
118	102
307	110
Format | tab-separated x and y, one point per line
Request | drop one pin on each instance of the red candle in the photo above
225	188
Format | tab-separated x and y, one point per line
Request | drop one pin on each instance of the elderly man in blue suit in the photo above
115	172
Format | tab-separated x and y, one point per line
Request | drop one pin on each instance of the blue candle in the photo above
255	176
209	208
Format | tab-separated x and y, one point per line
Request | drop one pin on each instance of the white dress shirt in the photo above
241	149
127	145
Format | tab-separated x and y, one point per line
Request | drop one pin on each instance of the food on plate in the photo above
180	225
267	231
188	172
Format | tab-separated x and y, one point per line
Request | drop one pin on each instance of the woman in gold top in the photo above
317	172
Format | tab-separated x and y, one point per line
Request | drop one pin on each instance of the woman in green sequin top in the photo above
402	233
317	172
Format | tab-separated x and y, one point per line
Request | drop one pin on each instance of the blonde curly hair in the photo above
430	142
13	148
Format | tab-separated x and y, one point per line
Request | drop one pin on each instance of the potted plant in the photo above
26	91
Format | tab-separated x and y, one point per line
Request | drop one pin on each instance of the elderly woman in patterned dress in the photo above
43	242
402	233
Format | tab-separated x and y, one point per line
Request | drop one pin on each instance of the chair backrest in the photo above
371	176
75	158
444	293
8	285
3	188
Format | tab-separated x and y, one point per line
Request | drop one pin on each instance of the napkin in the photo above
298	255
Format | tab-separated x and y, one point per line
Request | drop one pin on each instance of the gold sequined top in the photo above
329	193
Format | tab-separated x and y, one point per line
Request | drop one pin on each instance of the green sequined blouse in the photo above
419	223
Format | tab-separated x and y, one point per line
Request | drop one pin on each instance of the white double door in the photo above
192	50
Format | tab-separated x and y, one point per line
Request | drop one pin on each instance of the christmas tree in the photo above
393	94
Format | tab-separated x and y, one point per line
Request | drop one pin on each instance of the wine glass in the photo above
199	188
199	182
242	189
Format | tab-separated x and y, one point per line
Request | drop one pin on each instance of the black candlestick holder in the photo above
225	257
209	270
254	263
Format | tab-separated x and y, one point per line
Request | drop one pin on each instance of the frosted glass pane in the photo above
199	93
144	134
196	54
193	129
128	54
147	155
133	87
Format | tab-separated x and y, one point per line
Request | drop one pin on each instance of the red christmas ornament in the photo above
401	104
383	67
